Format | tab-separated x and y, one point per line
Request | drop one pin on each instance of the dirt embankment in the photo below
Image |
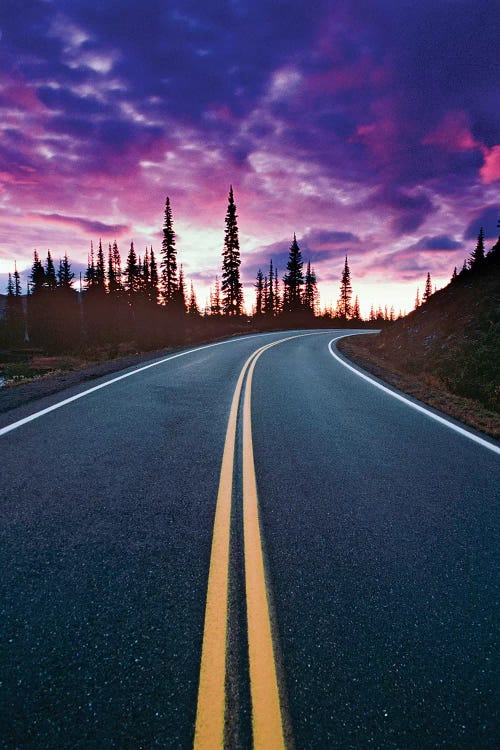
367	352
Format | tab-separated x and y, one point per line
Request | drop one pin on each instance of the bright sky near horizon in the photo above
369	128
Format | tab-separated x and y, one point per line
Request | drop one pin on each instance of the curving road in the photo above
346	544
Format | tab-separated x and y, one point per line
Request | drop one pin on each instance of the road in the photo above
183	566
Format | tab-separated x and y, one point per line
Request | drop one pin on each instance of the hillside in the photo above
449	345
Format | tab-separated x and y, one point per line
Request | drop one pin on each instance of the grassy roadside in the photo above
426	387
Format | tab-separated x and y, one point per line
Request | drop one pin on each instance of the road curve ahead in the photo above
246	545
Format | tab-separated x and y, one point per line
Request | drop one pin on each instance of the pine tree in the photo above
372	314
345	292
454	275
259	293
477	255
132	272
232	290
50	273
293	280
65	275
17	282
356	314
153	278
193	309
90	272
269	307
179	299
169	256
100	271
277	293
10	286
37	276
215	301
310	290
417	299
428	288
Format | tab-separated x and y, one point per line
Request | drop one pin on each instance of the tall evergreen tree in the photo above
269	308
277	293
50	273
193	309
293	279
100	271
169	256
65	275
356	314
132	272
310	290
477	255
37	276
417	299
345	292
90	272
17	282
428	288
232	290
179	304
215	300
153	278
259	293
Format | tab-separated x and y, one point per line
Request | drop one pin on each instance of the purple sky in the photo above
370	128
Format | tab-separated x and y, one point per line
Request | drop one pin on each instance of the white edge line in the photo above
42	412
408	402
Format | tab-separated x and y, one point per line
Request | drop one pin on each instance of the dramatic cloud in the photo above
369	129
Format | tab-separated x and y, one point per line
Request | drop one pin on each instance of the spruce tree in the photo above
169	256
65	275
232	290
37	276
50	273
259	293
310	290
100	271
277	294
269	298
428	288
153	278
417	299
132	272
193	309
215	301
90	272
345	292
293	280
356	314
17	282
477	255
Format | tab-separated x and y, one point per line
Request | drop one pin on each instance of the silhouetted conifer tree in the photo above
356	314
232	290
293	280
345	292
310	298
100	271
193	309
65	275
37	276
477	255
277	293
428	288
50	273
132	279
215	300
169	256
269	307
153	278
259	293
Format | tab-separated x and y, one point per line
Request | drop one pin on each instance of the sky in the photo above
370	128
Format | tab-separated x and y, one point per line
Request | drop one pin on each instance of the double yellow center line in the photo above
267	720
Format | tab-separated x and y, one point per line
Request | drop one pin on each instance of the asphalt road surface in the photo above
265	552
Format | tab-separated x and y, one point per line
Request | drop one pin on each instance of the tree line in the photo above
144	299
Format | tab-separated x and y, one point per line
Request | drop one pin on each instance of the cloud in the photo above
86	225
439	243
487	218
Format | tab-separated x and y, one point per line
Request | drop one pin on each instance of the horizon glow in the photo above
370	129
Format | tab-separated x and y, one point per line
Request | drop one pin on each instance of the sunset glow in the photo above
369	129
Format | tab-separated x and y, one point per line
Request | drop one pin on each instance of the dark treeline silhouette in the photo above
141	299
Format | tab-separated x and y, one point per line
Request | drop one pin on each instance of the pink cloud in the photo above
453	134
490	171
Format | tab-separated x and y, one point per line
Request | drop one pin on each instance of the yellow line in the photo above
210	714
209	730
267	721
